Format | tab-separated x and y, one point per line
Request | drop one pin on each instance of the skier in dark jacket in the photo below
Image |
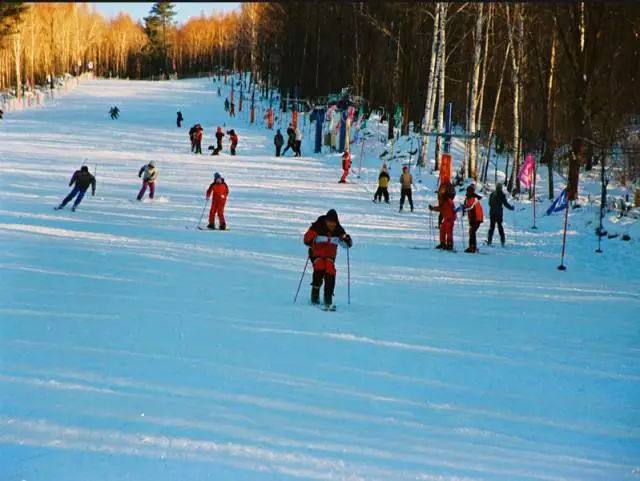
114	112
323	238
179	120
219	136
291	140
278	141
497	200
82	179
226	105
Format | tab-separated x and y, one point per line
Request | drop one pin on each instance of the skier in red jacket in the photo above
476	216
218	191
233	137
346	166
447	210
323	238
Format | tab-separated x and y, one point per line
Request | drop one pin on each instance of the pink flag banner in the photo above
526	171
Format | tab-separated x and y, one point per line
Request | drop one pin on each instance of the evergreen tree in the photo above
157	27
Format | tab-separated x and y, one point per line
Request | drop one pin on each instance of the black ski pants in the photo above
408	194
382	192
492	226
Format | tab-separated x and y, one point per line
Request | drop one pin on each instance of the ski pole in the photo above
202	213
348	277
464	240
301	278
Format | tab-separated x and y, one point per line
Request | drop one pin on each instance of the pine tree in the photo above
157	26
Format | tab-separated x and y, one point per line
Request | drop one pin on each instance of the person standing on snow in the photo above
218	191
226	105
197	138
406	184
298	142
278	141
233	137
82	179
149	174
497	200
447	210
346	167
114	112
383	185
192	138
291	140
219	136
179	119
474	208
323	238
232	109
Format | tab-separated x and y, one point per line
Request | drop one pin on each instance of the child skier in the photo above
233	137
497	200
218	191
149	174
179	119
219	136
278	141
82	179
474	208
447	211
197	138
322	238
406	183
346	167
383	185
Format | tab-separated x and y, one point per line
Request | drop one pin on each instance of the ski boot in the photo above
73	209
211	226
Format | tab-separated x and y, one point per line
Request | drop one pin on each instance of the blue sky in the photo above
183	10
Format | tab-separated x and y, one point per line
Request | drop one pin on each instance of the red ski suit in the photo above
346	166
448	211
323	245
219	192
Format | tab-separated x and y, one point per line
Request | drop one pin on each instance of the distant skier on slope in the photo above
81	180
474	209
278	141
233	137
218	191
346	167
226	105
192	138
179	119
1	114
406	184
232	109
149	174
497	200
323	238
114	112
383	185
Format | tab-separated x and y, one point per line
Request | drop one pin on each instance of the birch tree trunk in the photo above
473	96
515	30
17	55
431	98
549	134
442	49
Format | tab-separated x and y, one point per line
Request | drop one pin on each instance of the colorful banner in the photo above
526	171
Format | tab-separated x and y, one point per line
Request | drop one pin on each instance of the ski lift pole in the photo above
562	267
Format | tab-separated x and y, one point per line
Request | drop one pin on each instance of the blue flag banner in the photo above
559	204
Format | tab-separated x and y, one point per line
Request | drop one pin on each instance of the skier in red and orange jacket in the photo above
323	238
447	210
346	166
218	191
233	137
476	216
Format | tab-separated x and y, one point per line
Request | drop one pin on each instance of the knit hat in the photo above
405	168
217	175
332	215
152	163
84	168
471	189
498	186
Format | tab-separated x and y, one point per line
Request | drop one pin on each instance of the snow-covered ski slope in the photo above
136	347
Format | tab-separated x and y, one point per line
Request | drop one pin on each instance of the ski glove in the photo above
347	240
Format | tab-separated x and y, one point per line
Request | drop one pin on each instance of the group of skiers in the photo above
230	108
196	133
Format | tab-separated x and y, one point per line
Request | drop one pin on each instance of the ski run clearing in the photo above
135	347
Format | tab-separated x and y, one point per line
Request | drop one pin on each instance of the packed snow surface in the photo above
136	347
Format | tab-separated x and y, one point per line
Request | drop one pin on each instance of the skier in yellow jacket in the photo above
406	183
